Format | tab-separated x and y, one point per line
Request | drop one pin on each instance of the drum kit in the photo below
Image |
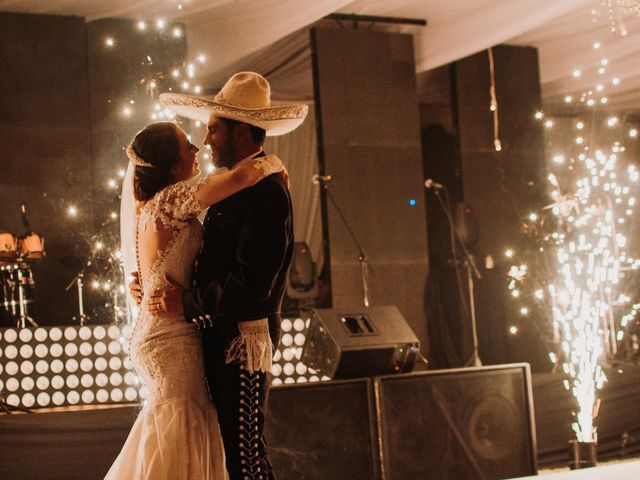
17	255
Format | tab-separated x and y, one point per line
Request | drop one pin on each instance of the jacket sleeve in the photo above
260	254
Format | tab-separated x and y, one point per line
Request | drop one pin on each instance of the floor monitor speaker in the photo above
323	431
359	342
474	423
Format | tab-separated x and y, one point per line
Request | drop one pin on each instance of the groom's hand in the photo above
134	288
167	299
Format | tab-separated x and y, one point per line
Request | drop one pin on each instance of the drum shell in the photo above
8	245
32	246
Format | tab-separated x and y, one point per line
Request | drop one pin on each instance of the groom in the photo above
240	273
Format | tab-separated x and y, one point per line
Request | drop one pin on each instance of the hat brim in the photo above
277	120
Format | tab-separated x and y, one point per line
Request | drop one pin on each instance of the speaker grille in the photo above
463	424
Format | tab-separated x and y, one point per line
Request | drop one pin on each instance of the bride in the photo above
176	434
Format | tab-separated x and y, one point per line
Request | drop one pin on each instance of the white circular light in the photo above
314	378
288	369
57	382
26	351
301	380
299	353
286	325
70	333
100	348
101	380
42	383
276	381
301	368
287	354
144	392
115	379
56	366
287	340
130	378
276	370
86	380
11	368
57	398
299	339
116	395
84	333
113	332
85	348
10	335
25	335
40	334
71	349
130	394
126	331
86	365
277	355
27	384
101	364
12	384
71	365
27	367
102	396
11	352
44	399
298	325
28	400
73	397
56	350
88	396
42	366
73	381
127	363
289	380
115	348
115	363
55	334
99	332
41	350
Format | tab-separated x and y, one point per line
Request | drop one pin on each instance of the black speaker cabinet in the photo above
323	431
457	424
360	342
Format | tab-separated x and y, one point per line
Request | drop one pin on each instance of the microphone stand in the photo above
362	257
77	280
472	269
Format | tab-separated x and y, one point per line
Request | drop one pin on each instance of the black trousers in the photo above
240	398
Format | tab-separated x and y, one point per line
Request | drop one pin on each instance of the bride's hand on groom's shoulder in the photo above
168	299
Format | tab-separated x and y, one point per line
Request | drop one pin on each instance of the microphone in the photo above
316	179
429	183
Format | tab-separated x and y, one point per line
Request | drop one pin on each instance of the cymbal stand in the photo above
24	318
77	280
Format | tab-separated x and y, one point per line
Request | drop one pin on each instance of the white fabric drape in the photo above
298	151
238	34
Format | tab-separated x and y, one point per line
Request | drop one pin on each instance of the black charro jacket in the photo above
241	270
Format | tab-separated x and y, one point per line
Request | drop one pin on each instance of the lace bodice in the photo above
174	211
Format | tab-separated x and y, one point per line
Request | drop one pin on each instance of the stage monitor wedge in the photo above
360	342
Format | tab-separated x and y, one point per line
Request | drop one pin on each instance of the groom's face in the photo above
220	139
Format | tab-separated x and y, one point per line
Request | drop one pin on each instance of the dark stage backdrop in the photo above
499	188
45	143
62	136
369	142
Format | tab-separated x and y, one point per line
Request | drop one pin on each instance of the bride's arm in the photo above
247	173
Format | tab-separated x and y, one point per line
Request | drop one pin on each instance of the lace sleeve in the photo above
174	206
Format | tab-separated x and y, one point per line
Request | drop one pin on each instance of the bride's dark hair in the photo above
157	144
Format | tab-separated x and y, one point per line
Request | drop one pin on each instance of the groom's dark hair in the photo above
257	134
158	145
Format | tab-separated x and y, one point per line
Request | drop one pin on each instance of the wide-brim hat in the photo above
246	97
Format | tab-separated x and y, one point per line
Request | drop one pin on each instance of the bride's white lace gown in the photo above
176	434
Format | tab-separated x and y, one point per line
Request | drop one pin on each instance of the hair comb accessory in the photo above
135	159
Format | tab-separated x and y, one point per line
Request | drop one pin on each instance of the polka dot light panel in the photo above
61	366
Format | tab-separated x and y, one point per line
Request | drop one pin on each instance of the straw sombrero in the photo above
246	97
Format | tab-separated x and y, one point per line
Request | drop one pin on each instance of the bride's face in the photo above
188	166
